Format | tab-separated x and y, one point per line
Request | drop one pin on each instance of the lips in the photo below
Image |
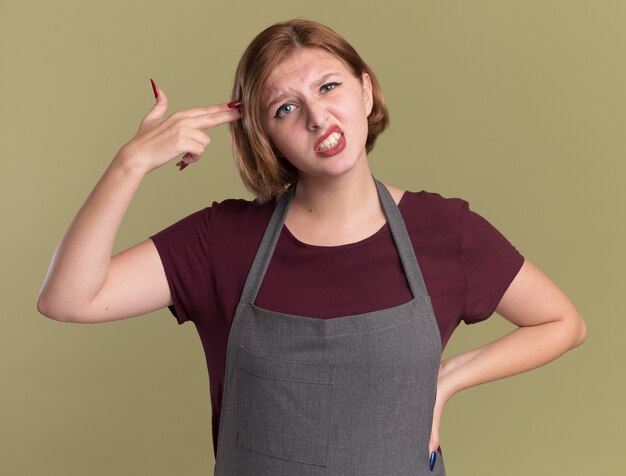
331	129
331	143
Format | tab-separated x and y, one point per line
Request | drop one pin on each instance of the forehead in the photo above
301	68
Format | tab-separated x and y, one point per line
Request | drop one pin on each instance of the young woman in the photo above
323	305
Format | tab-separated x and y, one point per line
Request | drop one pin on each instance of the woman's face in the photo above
315	113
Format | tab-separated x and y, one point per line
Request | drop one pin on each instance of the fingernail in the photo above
155	90
234	104
182	166
433	459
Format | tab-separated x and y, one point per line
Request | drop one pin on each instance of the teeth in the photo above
330	142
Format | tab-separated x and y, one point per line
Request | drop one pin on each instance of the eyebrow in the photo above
316	83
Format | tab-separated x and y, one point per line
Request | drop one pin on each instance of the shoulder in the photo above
231	212
432	206
233	224
238	205
237	214
426	201
433	220
219	221
430	199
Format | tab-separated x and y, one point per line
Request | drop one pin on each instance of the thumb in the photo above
433	444
160	106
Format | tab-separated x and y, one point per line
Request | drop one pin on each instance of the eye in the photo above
284	110
328	87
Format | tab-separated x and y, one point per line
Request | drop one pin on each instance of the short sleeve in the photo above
183	248
490	263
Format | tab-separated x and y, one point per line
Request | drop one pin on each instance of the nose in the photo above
317	116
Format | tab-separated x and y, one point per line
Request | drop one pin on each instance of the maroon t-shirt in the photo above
467	266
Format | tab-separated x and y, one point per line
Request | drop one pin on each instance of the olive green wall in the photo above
518	107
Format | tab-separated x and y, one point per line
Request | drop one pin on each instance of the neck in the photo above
333	199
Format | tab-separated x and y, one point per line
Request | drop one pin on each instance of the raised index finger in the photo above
199	111
217	116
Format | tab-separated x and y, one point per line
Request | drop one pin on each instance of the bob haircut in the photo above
263	171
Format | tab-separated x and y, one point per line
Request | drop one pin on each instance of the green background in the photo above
517	107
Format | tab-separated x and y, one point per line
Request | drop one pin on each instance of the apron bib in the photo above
349	396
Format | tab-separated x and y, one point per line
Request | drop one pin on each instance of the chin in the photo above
341	166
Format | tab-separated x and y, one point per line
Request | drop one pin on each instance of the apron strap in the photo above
266	248
403	242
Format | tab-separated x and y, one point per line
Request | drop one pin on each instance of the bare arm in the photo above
82	265
548	326
84	282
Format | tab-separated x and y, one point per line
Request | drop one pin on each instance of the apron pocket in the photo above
284	407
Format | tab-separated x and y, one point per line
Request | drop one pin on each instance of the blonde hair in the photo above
263	171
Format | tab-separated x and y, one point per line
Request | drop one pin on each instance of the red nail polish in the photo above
234	104
182	166
155	90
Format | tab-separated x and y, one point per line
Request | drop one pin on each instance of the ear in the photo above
368	100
